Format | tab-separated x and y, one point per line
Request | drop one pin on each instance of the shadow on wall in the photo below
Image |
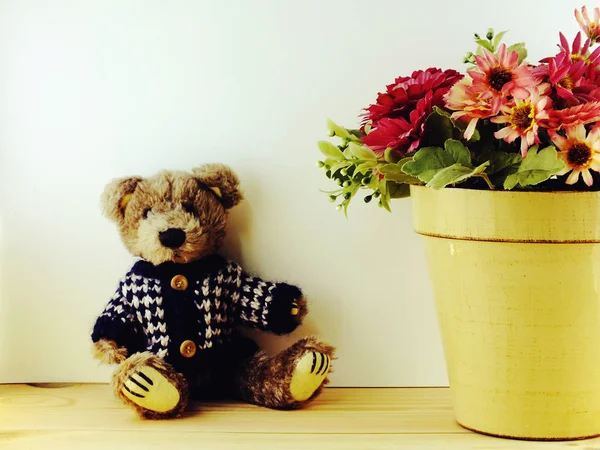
239	228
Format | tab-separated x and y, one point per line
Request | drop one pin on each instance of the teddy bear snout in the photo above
172	238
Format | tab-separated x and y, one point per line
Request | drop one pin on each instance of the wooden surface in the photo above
88	417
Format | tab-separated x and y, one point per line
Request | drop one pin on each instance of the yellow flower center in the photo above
566	82
579	155
522	117
498	76
577	57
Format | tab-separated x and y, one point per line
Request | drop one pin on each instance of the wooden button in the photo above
179	283
187	349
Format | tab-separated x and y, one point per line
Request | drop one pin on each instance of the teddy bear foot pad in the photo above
151	386
309	374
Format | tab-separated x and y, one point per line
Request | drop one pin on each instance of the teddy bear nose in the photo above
172	238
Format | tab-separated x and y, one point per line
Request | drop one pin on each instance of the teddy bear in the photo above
173	323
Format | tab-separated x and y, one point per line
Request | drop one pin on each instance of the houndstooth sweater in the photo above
149	313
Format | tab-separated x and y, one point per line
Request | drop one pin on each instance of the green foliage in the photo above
441	127
455	174
330	150
479	162
353	166
520	49
440	167
427	162
536	167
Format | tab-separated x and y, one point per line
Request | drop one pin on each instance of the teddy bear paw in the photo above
151	390
309	374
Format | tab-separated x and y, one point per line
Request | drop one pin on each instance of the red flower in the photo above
402	96
400	134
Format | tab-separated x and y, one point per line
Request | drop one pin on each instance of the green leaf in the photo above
537	167
393	172
337	130
404	161
398	190
441	112
385	195
459	152
427	162
330	150
374	182
500	161
511	181
520	49
498	38
339	165
365	167
361	152
439	127
355	135
353	189
391	156
455	174
485	44
330	162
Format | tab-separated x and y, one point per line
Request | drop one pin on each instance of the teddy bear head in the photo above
174	215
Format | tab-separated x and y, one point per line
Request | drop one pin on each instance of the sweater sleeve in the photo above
261	304
118	321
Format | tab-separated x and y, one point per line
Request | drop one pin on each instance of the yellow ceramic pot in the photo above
516	279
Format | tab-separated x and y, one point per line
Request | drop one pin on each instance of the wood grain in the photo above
88	417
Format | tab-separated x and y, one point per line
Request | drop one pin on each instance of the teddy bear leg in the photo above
288	380
151	386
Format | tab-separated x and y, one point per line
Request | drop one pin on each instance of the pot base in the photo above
528	438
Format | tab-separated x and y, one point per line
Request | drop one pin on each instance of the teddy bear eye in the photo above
147	212
189	207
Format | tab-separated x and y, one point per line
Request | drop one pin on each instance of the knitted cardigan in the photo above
147	314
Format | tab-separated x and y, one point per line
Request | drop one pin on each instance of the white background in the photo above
91	90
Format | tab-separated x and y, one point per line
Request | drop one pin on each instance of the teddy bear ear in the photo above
116	195
222	181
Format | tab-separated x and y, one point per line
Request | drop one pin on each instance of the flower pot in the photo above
516	278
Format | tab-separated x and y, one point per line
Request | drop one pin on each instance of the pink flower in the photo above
502	76
575	115
469	104
563	74
402	96
579	52
590	27
568	80
579	152
400	134
522	119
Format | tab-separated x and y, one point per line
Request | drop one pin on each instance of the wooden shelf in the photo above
87	416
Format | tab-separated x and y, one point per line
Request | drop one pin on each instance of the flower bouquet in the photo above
513	242
506	124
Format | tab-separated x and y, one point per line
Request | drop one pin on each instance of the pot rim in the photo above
507	216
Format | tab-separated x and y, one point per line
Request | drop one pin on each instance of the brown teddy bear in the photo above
172	323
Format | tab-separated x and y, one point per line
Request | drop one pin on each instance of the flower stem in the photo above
487	180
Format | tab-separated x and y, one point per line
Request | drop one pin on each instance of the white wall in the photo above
90	90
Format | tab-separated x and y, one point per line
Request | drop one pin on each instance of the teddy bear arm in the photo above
114	340
270	306
116	332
